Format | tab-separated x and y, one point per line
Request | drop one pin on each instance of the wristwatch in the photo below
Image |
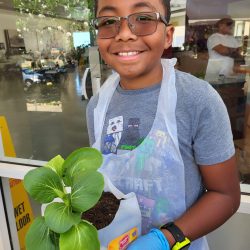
181	242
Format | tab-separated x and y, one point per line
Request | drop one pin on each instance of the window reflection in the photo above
231	82
42	61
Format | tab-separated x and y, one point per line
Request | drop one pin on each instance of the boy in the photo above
164	134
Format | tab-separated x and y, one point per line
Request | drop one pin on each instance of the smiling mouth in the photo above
128	53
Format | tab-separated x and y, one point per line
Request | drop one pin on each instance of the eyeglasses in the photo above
140	24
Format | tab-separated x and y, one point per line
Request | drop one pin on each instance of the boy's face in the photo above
142	65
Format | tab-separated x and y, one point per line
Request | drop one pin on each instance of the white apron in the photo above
155	169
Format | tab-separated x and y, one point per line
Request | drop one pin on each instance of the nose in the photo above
124	32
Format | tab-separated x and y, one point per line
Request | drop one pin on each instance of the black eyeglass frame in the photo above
159	18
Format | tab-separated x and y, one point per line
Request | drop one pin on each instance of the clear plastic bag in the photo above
127	221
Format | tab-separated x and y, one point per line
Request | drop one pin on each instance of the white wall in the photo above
178	20
7	21
239	9
233	235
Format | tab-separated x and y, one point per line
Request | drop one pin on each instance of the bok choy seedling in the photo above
69	187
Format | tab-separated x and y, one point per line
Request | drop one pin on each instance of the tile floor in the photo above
42	135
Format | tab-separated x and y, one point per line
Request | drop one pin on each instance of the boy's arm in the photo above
220	202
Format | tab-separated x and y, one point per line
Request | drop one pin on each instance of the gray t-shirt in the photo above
203	125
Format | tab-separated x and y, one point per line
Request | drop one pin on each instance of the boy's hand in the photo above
154	240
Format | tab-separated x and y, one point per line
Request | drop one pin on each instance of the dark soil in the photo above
103	213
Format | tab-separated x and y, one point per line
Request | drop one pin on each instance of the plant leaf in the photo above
87	189
43	185
38	236
56	164
80	160
54	238
80	237
59	217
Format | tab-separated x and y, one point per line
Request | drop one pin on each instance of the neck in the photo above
143	81
224	33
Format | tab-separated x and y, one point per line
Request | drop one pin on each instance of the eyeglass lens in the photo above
140	24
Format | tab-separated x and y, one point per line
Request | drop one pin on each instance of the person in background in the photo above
164	134
223	49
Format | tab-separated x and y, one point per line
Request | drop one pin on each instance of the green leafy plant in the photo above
78	186
48	7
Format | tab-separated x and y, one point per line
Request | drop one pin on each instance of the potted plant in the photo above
69	189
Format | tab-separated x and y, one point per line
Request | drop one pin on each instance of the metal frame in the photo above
10	213
11	168
4	233
17	168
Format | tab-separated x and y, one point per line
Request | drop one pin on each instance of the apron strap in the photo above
105	94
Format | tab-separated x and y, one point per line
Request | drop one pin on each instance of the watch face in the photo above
182	242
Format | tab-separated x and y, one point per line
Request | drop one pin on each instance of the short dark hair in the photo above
166	4
226	20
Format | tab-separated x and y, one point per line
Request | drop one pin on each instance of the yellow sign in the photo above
22	209
8	147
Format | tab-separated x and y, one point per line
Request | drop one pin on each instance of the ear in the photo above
169	36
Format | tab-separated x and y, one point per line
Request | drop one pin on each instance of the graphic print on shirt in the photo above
162	138
131	135
114	133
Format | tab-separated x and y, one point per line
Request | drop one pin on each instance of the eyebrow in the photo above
137	5
107	8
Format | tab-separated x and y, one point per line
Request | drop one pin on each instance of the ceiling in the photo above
178	5
216	9
76	12
196	9
175	4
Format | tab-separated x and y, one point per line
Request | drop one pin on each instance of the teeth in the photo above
130	53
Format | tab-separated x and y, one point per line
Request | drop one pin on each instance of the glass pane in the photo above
227	73
43	56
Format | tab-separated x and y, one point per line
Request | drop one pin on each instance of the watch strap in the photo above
175	231
182	242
